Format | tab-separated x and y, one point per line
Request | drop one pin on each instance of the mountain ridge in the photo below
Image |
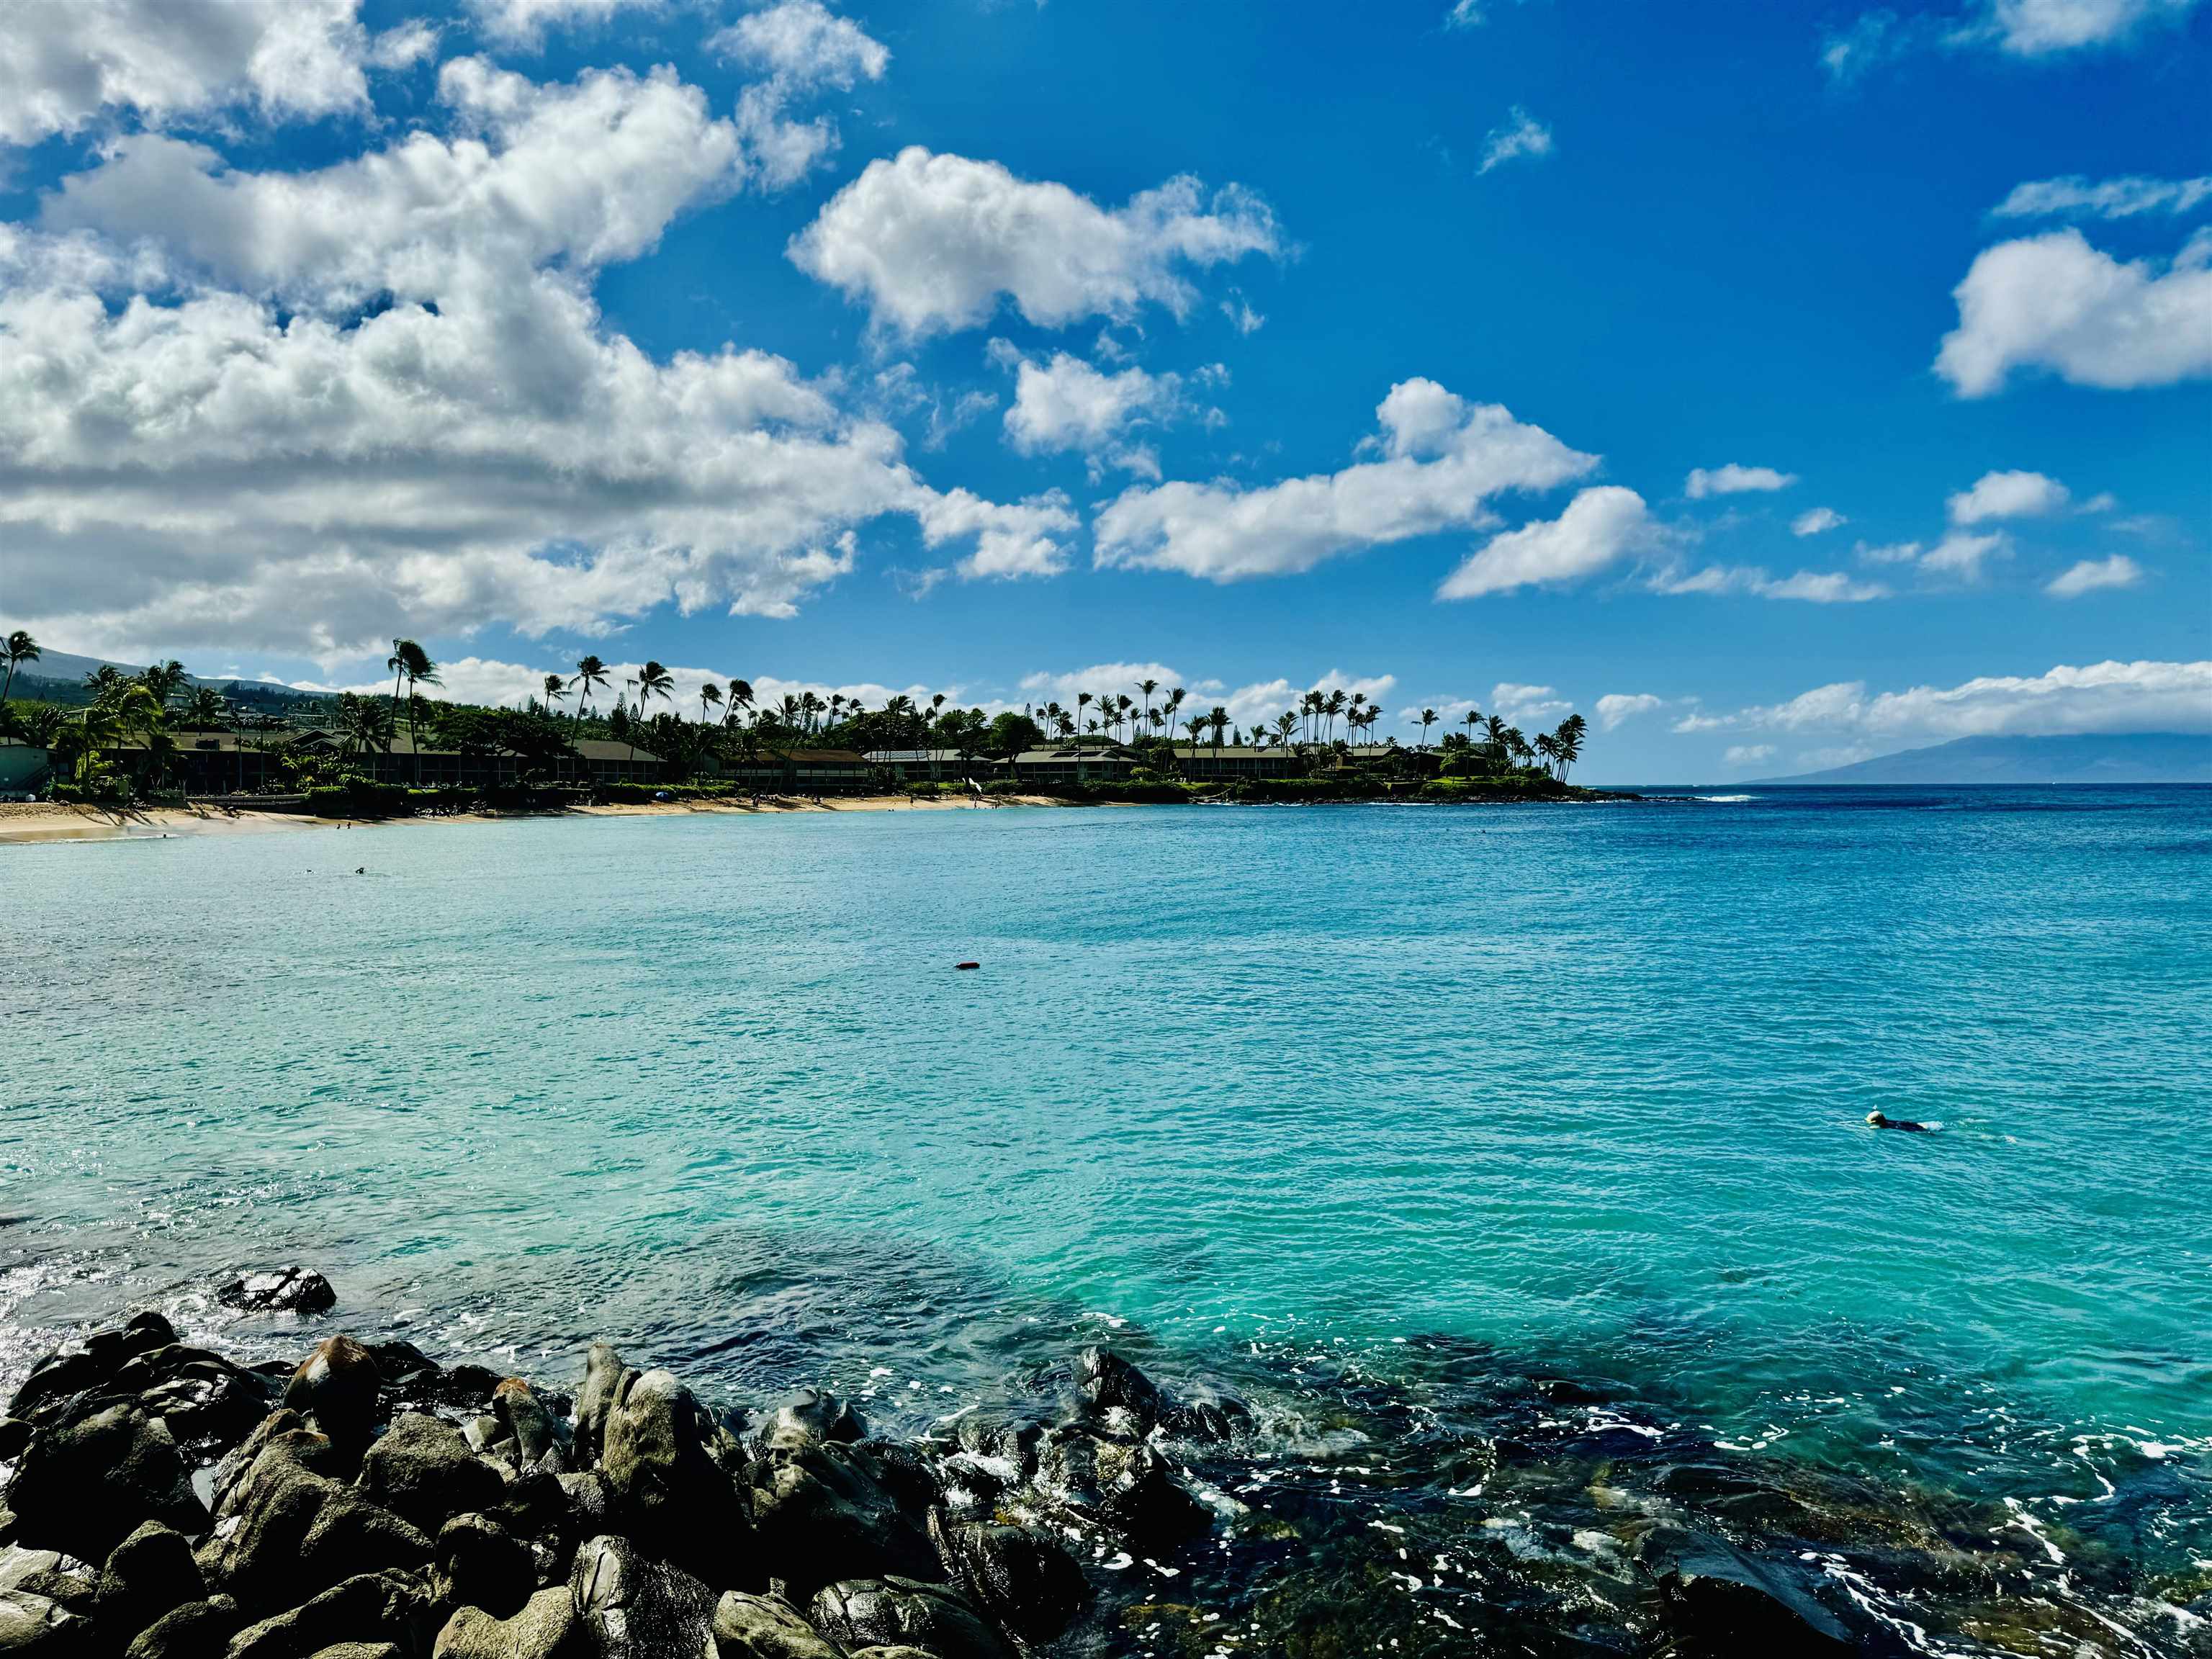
2079	758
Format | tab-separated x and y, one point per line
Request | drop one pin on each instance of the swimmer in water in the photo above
1880	1122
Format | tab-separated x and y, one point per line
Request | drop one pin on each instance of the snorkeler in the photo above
1881	1122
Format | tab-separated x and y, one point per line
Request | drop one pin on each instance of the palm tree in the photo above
1285	724
653	681
1567	743
20	648
1218	719
741	695
710	696
1176	695
590	671
410	662
1494	729
1548	747
1147	687
363	724
1471	720
556	690
1428	719
1334	708
1196	725
1516	745
206	711
1082	702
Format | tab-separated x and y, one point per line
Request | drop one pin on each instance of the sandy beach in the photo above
24	824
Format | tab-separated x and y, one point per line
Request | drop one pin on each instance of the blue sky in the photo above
1857	363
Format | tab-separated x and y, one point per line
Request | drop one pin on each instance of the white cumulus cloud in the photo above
1065	403
1818	521
2106	696
931	243
1961	555
1733	480
2090	575
803	43
1600	526
2055	303
65	65
1441	461
2007	495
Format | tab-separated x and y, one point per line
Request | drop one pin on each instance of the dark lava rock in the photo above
198	1630
1128	1487
482	1564
527	1435
302	1445
1207	1417
280	1290
605	1376
809	1417
634	1605
374	1608
149	1573
297	1533
83	1486
1716	1601
767	1627
1126	1400
879	1612
15	1435
546	1626
422	1471
829	1508
658	1452
336	1390
1020	1577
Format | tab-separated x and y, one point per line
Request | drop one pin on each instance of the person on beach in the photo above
1880	1122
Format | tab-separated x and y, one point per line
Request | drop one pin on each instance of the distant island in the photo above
2127	757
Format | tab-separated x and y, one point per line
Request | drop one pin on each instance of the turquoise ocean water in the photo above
1580	1086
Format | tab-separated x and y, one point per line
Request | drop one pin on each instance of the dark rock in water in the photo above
1125	1400
1128	1487
1716	1601
659	1450
298	1532
809	1417
828	1508
1209	1417
886	1611
83	1486
15	1435
1018	1576
604	1378
635	1605
302	1445
280	1290
422	1471
198	1630
60	1381
148	1574
335	1388
374	1608
767	1627
1566	1391
482	1564
526	1435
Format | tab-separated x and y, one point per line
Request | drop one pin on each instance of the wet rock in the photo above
280	1290
1019	1576
1208	1418
422	1470
767	1627
359	1650
298	1532
375	1607
198	1630
658	1453
1128	1487
825	1509
15	1435
82	1487
482	1564
1714	1600
335	1389
809	1417
546	1627
148	1574
209	1403
521	1430
901	1611
1126	1401
605	1377
301	1445
636	1606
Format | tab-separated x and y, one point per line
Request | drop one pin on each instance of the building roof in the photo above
609	749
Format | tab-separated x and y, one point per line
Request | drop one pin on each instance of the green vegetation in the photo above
115	738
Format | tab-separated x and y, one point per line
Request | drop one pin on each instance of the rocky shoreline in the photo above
166	1501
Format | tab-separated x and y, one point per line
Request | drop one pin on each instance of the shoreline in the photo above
35	824
44	823
371	1493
